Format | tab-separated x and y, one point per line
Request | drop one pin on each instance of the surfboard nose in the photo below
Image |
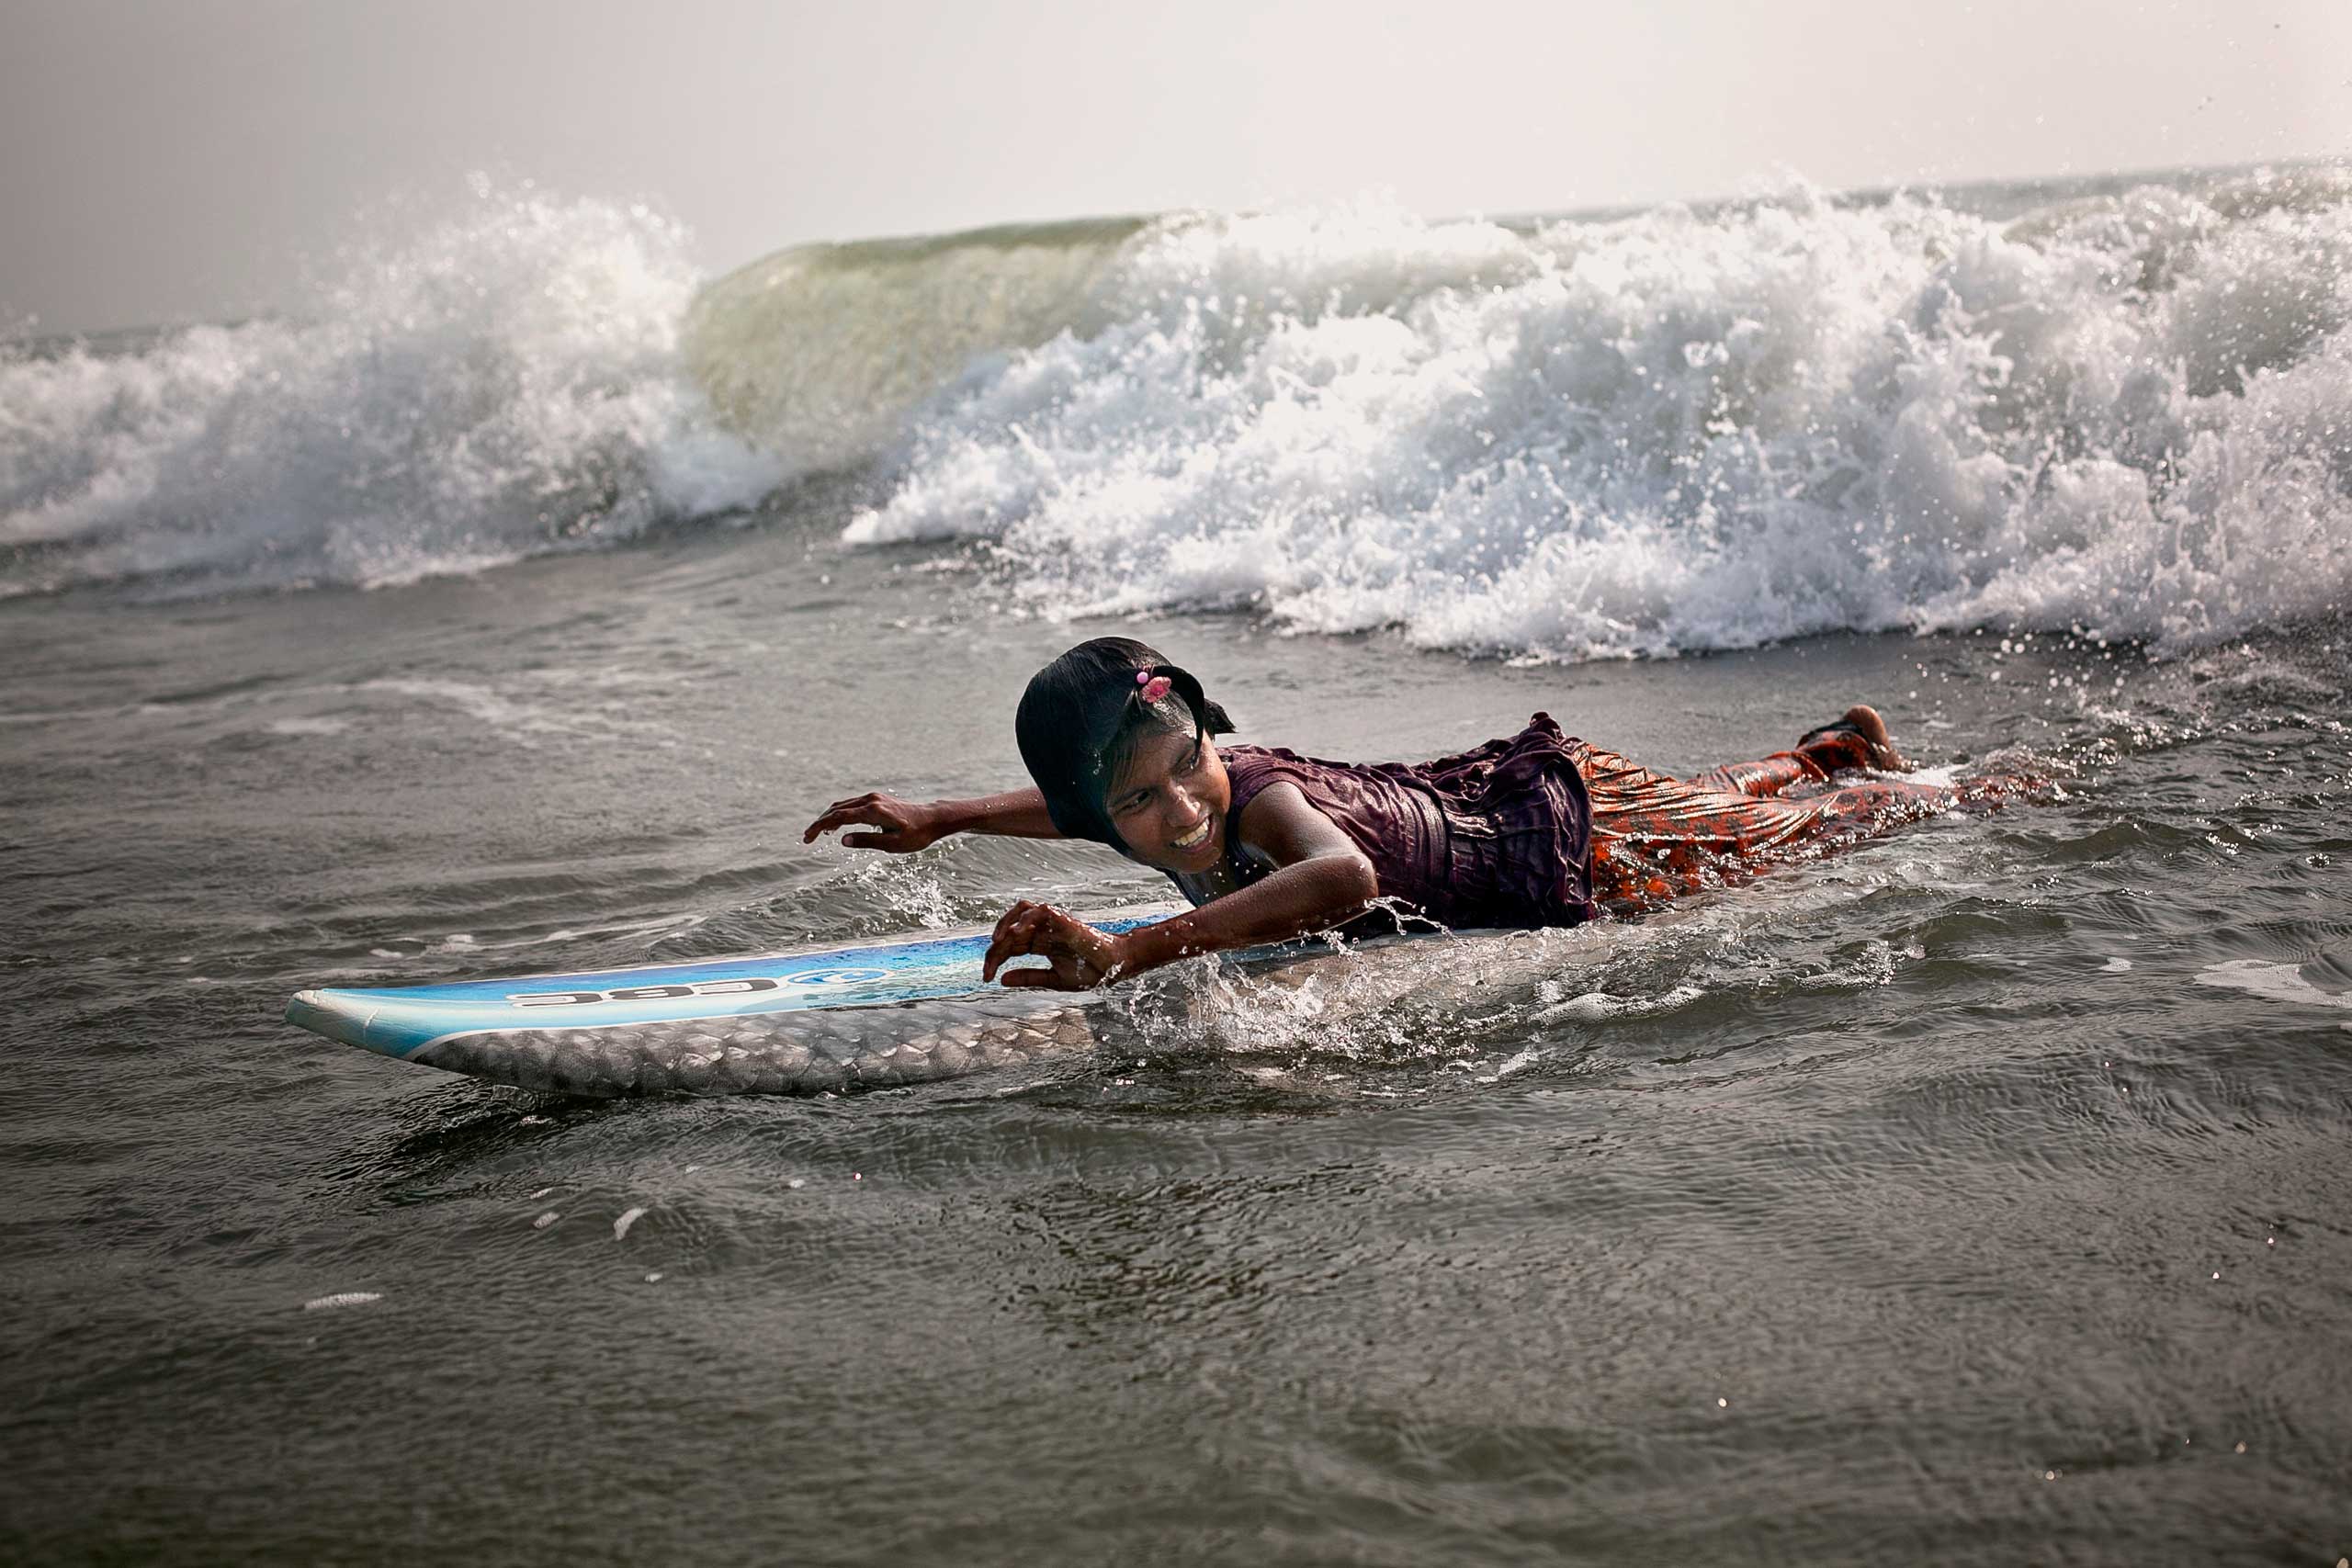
316	1011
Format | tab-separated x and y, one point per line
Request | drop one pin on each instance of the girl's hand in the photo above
1081	957
903	826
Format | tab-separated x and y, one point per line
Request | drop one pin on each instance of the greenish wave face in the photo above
2118	405
820	351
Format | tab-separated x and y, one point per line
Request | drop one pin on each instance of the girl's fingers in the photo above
1060	977
847	813
1062	974
840	813
1039	929
1005	941
836	814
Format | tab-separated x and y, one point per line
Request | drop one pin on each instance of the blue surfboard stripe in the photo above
401	1021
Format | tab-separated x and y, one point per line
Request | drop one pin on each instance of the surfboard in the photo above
904	1009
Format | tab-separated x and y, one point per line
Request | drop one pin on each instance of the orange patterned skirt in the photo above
1655	836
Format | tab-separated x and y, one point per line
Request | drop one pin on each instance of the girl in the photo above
1539	830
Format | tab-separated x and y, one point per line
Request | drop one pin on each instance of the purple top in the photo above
1498	836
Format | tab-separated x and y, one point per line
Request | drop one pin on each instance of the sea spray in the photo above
503	384
1680	431
2125	406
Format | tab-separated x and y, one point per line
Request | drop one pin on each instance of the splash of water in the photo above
1680	431
503	384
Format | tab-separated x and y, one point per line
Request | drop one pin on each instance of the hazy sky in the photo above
179	159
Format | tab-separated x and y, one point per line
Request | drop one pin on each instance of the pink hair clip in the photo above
1154	686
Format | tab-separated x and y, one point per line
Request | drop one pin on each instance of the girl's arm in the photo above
1298	900
902	827
1321	881
1015	814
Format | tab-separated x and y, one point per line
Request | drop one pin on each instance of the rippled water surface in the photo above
1979	1196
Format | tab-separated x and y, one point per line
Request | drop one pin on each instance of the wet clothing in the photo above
1498	836
1543	830
1655	836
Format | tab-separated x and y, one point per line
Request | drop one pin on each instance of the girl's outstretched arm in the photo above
1300	900
902	827
1321	881
1015	814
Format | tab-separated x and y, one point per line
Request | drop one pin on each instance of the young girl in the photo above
1538	830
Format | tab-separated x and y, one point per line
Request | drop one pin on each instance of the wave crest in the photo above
1682	430
2129	407
505	384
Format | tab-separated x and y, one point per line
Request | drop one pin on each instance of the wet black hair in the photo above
1081	717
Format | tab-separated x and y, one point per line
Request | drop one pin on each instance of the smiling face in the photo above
1169	802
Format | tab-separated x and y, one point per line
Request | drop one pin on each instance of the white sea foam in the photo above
505	384
2130	410
1677	431
1593	1006
342	1299
2277	982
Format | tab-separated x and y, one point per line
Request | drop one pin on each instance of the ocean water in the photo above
1977	1196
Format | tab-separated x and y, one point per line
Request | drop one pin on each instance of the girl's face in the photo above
1169	804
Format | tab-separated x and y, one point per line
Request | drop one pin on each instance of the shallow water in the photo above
1977	1196
1973	1196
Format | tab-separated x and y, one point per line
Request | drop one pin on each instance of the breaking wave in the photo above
1679	430
505	384
2126	405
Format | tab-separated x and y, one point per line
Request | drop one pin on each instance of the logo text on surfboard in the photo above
799	979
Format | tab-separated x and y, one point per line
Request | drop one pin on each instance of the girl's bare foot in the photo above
1865	722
